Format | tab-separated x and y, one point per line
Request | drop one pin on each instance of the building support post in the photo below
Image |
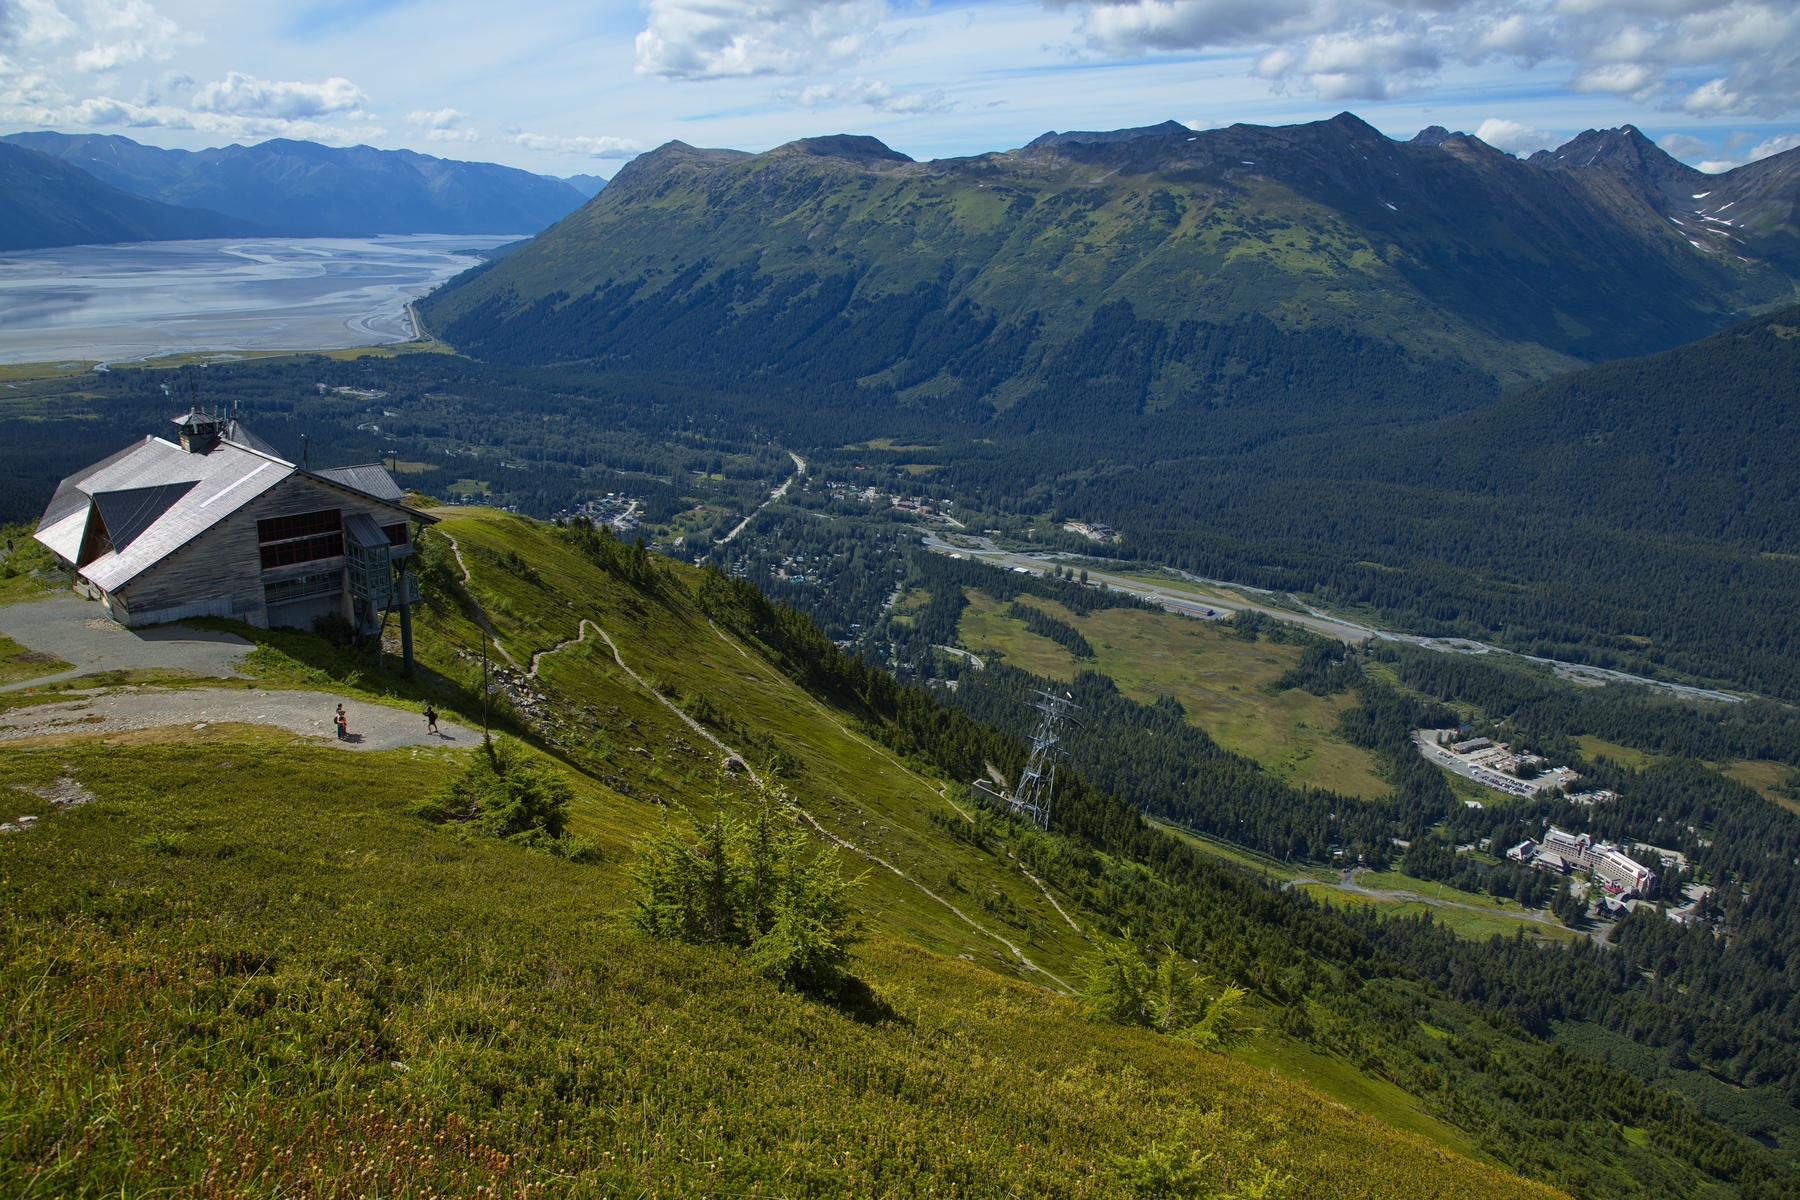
406	653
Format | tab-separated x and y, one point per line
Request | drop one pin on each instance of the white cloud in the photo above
1683	145
51	49
443	125
124	31
238	108
702	39
35	24
1369	65
1515	137
107	112
1779	144
246	96
581	147
89	35
1734	151
872	92
1707	57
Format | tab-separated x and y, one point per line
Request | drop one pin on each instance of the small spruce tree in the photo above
750	882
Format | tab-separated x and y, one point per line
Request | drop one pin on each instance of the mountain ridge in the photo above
47	202
303	189
1454	252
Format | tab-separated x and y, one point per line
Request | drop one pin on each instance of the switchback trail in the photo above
481	617
876	749
820	829
580	636
488	628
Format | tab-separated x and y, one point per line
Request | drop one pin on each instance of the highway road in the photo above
776	495
1207	601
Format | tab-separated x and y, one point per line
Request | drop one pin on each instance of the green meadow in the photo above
1221	681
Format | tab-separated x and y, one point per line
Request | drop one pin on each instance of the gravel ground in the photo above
372	726
80	633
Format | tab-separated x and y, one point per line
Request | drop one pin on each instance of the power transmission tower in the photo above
1037	784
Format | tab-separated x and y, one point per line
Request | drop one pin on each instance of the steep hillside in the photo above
323	931
969	282
302	189
289	1025
46	202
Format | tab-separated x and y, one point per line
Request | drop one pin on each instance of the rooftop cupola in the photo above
199	432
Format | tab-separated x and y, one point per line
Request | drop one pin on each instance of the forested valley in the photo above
1392	995
1710	995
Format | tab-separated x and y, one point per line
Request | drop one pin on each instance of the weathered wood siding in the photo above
224	564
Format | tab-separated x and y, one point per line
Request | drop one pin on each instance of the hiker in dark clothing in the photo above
431	720
343	724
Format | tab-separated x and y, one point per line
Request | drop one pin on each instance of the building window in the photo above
280	529
303	537
323	584
398	535
302	550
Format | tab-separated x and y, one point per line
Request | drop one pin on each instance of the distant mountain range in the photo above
587	185
838	262
45	201
279	187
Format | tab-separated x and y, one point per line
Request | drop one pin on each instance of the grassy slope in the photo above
1220	680
214	993
853	787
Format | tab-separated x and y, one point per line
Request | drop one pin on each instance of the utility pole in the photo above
485	739
1037	783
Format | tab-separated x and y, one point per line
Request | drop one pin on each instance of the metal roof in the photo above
363	530
221	481
235	432
371	479
70	498
155	497
126	514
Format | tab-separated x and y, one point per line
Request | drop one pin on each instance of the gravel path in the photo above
80	633
372	726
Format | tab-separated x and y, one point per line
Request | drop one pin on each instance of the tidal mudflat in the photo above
139	300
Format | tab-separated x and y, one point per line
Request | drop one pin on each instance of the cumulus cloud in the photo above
237	108
1710	58
703	39
108	112
123	31
1734	150
247	96
443	125
1683	145
579	146
60	59
88	35
1372	65
1515	137
872	92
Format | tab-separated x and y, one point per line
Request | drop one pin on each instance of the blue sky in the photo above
564	87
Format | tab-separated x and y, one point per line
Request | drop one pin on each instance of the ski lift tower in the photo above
1037	784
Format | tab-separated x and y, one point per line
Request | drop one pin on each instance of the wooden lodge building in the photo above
220	525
